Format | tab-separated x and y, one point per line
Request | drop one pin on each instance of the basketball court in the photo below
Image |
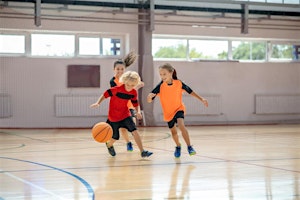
232	162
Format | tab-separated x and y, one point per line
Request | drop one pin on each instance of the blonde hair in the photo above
129	59
130	76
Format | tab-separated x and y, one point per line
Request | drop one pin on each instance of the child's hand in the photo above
139	116
140	85
94	105
205	102
150	97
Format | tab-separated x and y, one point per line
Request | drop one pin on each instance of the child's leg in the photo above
110	142
125	134
138	140
175	135
184	132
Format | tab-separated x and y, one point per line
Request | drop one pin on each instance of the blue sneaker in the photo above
111	150
177	152
129	146
146	154
191	150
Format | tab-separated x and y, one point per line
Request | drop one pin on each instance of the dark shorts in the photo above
179	114
125	123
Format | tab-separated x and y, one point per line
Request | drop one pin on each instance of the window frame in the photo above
268	45
28	43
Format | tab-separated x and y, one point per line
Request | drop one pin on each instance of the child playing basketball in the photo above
170	93
119	68
118	114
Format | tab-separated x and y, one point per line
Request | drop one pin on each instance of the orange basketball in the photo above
102	132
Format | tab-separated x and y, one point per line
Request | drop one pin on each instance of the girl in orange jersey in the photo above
170	91
119	69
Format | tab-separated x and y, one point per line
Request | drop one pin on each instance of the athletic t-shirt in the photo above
119	98
115	82
171	97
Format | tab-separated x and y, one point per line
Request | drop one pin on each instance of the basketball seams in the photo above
107	133
102	132
99	131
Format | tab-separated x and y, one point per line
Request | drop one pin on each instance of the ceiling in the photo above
279	10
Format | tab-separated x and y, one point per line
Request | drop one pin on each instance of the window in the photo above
89	46
169	48
283	52
52	45
12	44
111	46
208	49
247	50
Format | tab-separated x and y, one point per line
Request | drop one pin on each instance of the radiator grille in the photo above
79	106
195	107
5	106
277	104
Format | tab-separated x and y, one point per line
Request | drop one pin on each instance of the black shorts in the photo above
179	114
125	123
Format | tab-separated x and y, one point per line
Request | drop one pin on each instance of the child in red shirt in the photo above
119	69
118	115
170	91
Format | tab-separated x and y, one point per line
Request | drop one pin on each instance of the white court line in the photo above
32	185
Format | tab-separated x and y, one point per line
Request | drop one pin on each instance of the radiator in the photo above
195	107
5	106
79	106
277	104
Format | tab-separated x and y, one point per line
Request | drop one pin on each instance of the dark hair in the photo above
170	68
128	60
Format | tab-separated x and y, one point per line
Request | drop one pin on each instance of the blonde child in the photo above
119	69
118	114
170	93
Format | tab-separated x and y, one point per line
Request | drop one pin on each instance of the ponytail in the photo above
174	75
128	60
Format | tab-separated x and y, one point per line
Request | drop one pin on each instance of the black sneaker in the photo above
111	150
146	154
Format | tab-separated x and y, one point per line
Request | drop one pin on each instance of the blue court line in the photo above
84	182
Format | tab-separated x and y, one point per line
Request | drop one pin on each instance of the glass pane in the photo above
208	49
292	1
244	50
169	48
12	44
282	52
111	46
89	46
52	45
275	1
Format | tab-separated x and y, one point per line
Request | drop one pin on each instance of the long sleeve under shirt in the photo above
171	97
119	98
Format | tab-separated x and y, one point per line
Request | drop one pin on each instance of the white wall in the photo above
33	82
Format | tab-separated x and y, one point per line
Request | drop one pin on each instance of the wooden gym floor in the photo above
257	162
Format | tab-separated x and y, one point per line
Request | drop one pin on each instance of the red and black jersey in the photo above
119	98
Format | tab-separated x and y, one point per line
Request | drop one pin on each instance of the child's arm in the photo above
150	97
204	101
94	105
138	113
